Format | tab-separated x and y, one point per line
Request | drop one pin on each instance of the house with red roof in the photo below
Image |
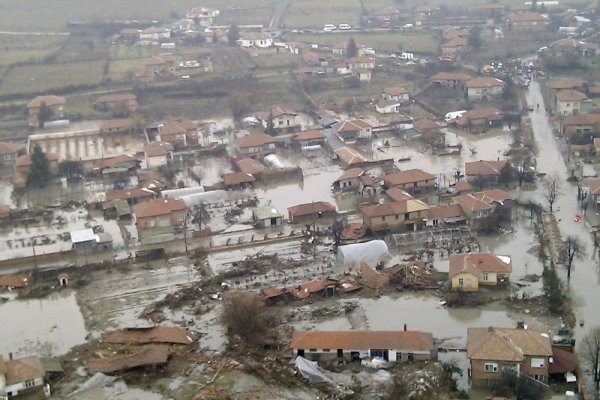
350	131
160	213
310	138
468	271
488	173
411	180
484	87
255	144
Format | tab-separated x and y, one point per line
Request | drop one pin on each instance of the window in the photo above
537	363
397	217
490	367
29	384
312	350
461	282
326	350
485	276
180	217
415	184
538	377
383	218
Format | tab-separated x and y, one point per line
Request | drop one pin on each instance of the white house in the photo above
395	93
387	107
484	87
267	216
20	375
282	118
256	39
158	154
393	346
153	35
569	102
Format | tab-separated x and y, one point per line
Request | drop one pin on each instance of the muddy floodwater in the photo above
422	312
44	327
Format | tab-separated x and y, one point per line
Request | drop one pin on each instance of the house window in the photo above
312	350
180	217
461	282
485	276
383	218
490	367
415	184
29	384
406	216
7	157
568	104
397	217
538	377
326	350
537	363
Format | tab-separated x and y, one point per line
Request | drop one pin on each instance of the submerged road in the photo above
585	276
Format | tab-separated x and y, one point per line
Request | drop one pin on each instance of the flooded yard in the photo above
44	327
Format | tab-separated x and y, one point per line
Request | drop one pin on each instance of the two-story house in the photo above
484	172
452	80
255	145
527	22
158	154
310	138
581	124
55	105
492	351
483	204
179	133
360	62
352	130
410	215
395	93
412	180
124	101
282	117
256	39
468	271
349	180
162	212
568	101
8	154
484	87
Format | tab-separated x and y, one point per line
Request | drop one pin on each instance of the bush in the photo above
246	316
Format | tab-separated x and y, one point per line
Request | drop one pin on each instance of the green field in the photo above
24	48
31	79
422	42
316	13
124	52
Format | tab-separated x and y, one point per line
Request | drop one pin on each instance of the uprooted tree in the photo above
589	352
246	316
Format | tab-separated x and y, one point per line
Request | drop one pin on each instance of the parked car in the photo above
345	27
329	28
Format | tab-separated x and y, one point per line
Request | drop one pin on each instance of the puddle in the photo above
44	327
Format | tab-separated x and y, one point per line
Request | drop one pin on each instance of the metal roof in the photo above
84	235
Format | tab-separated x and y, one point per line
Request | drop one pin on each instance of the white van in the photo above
329	28
345	27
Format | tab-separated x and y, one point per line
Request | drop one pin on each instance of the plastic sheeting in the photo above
196	199
370	253
273	161
99	380
310	370
181	192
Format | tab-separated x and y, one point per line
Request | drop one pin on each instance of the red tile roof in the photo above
560	84
25	160
49	100
398	194
310	208
395	90
477	263
354	125
8	148
363	340
158	207
407	176
350	156
448	211
254	140
482	167
130	193
351	174
450	76
506	344
570	95
155	149
249	165
471	203
485	82
237	178
309	135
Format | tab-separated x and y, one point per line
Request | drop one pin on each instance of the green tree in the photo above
233	35
351	49
474	39
44	114
39	171
270	129
70	169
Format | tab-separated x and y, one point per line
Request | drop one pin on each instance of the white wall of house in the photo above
478	93
15	388
393	354
567	107
156	161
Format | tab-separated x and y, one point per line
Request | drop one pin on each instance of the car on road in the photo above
329	28
345	27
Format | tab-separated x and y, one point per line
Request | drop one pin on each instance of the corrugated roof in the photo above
84	235
363	340
155	334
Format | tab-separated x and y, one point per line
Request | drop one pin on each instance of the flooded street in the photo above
44	327
585	277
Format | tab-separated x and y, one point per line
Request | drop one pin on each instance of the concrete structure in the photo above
352	130
266	216
494	350
311	211
487	172
158	154
395	93
408	214
393	346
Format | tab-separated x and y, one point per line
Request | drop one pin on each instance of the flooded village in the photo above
382	200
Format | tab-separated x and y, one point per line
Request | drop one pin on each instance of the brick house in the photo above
492	351
484	87
352	130
125	101
8	154
568	101
158	154
162	212
55	103
409	214
255	144
453	80
484	172
413	180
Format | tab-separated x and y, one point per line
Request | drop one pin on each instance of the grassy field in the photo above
272	59
125	70
17	49
422	42
31	79
124	52
316	13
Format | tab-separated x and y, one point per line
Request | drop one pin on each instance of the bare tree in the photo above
245	315
552	188
338	230
572	248
589	352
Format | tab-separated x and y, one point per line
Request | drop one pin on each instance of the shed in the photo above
103	241
267	216
84	241
370	253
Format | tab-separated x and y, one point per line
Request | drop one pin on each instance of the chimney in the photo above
404	327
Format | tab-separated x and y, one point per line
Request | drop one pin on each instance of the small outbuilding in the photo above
84	241
266	216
